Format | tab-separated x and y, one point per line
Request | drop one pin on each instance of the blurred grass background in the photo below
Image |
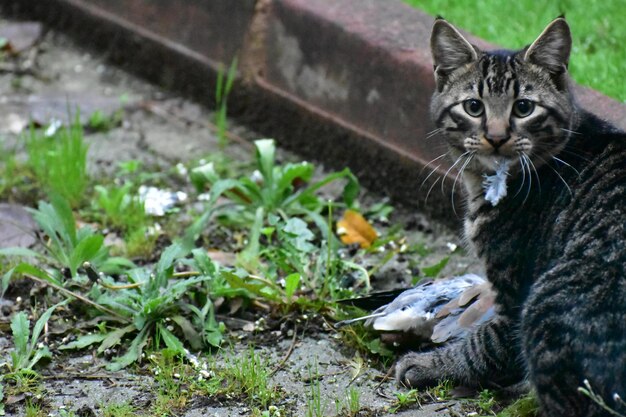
598	29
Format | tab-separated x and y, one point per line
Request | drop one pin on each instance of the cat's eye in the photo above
473	107
523	108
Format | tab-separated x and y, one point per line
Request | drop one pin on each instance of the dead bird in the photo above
432	312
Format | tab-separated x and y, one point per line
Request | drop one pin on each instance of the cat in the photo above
554	244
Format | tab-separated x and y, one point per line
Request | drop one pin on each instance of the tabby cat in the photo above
553	244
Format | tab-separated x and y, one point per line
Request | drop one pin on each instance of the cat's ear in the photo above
449	48
552	48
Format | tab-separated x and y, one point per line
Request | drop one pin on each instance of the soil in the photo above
162	129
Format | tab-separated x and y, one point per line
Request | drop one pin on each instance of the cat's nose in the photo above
497	140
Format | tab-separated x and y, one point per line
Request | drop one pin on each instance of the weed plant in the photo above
222	90
316	406
27	352
65	246
101	122
351	404
59	161
16	180
248	374
150	304
118	208
118	410
282	190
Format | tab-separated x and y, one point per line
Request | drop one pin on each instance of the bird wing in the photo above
476	305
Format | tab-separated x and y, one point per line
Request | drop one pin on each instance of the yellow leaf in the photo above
353	228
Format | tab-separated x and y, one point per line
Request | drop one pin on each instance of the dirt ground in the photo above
162	129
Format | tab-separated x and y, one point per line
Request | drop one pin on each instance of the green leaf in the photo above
173	252
376	347
292	281
434	270
171	341
20	327
20	252
213	332
351	189
219	188
265	157
115	337
86	250
40	353
6	279
1	398
64	214
190	333
133	353
249	257
291	172
203	174
299	235
41	322
115	265
214	336
236	282
25	268
230	77
84	340
203	262
249	193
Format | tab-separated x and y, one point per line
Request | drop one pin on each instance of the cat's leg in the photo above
488	356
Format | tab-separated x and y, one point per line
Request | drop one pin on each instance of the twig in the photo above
291	347
79	297
264	281
386	377
78	375
186	274
120	287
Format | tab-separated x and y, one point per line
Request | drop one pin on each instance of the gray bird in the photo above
434	311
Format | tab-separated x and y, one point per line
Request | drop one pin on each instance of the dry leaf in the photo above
353	228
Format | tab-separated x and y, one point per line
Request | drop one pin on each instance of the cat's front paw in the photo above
415	370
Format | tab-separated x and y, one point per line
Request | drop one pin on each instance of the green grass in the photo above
59	161
599	49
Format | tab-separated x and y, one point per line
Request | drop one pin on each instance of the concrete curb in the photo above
344	81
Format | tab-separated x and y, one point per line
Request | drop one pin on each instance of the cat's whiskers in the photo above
465	164
536	173
568	149
521	162
530	176
433	170
430	189
566	164
433	133
558	175
430	175
573	132
450	169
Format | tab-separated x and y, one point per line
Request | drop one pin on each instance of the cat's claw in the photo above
414	370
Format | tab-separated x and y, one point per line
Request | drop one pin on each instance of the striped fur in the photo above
555	247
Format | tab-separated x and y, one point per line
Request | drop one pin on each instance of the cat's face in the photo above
502	106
